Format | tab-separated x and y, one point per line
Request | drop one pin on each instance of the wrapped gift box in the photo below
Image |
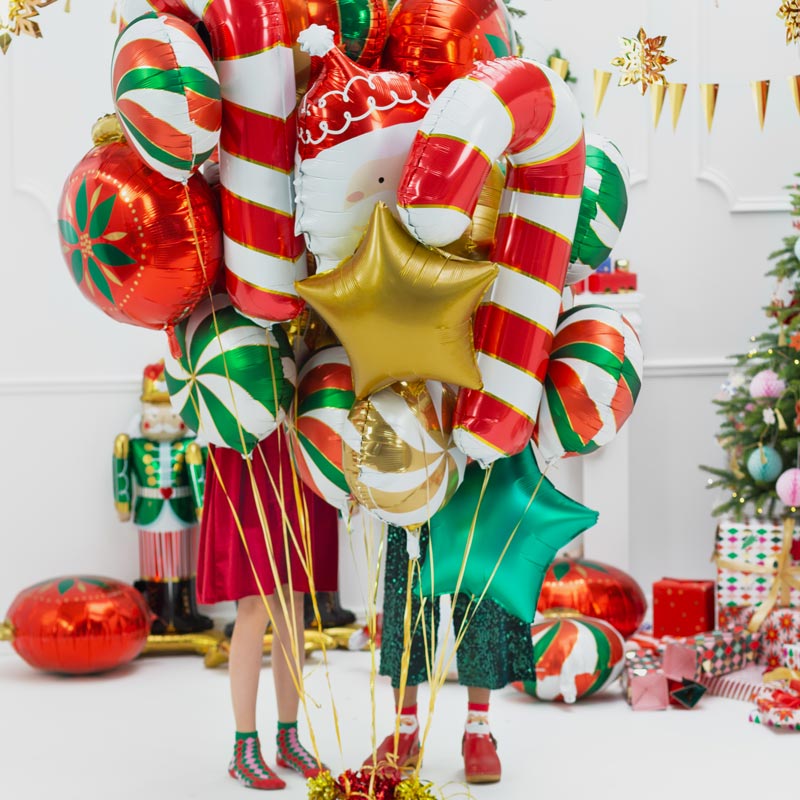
717	652
791	656
644	684
780	628
751	557
777	706
682	607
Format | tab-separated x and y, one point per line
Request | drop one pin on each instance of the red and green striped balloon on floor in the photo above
593	379
575	656
324	398
166	94
234	379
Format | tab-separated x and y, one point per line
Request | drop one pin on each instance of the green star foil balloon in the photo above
533	529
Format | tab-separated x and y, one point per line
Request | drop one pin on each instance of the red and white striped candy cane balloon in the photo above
519	108
252	50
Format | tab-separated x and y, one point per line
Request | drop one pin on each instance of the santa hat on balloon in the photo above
346	100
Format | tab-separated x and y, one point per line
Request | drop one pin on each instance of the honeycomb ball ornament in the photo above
595	590
788	487
764	464
766	384
575	656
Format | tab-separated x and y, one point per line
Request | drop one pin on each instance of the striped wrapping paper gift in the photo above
740	685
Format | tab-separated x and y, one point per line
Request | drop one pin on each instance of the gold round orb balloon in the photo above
399	458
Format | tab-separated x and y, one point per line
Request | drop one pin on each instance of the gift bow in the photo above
792	676
787	577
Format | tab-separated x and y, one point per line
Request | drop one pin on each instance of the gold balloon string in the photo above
291	624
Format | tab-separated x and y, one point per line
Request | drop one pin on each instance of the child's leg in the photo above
288	659
244	666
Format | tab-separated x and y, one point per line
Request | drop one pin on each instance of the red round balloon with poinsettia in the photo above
596	590
78	624
140	247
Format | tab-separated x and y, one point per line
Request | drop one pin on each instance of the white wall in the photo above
705	212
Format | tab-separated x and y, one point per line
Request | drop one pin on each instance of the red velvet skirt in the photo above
224	571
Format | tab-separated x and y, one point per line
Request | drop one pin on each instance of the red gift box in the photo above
683	607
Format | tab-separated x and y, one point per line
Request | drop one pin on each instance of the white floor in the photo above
161	728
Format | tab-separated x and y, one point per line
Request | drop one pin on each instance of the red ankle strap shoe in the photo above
481	763
406	755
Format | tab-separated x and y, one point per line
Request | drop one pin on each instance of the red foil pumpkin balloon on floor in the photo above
596	590
78	624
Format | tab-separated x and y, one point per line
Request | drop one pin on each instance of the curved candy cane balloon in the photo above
252	50
520	108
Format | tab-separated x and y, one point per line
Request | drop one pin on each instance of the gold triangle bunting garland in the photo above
760	94
677	91
708	96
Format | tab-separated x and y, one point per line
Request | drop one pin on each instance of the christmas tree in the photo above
760	402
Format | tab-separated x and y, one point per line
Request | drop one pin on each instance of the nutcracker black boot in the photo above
187	619
157	597
331	612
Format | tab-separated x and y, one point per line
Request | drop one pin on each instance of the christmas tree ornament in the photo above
234	380
159	478
438	41
166	94
604	205
401	310
140	247
77	624
21	21
399	458
251	46
324	398
642	60
575	656
764	464
708	96
789	12
501	537
593	380
760	94
515	107
359	27
601	79
658	93
766	384
788	488
677	92
594	589
355	130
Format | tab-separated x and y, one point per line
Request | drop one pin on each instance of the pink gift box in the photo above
680	661
649	691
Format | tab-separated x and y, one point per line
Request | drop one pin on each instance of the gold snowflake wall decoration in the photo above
642	60
21	20
790	14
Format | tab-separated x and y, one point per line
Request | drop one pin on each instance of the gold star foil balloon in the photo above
642	60
401	310
21	21
790	14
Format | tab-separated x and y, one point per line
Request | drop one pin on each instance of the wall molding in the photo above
125	384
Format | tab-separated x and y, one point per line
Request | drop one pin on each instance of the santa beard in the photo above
338	190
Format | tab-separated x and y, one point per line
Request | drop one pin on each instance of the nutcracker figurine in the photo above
161	475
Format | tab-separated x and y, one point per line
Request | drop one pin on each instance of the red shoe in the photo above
481	764
406	755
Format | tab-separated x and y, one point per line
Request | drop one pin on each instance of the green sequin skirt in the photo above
496	648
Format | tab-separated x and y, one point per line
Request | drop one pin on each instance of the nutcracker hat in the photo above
346	100
154	384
